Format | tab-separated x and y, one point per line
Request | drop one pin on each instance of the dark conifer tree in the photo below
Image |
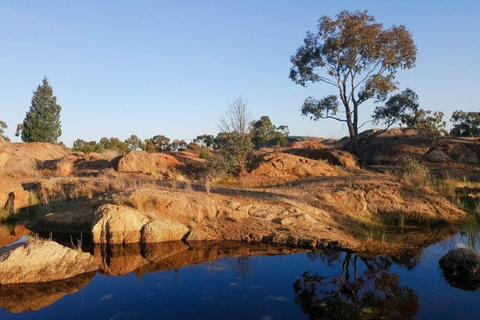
42	122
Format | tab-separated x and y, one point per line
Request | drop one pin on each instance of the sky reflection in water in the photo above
259	287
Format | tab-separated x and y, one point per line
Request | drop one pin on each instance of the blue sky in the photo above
173	67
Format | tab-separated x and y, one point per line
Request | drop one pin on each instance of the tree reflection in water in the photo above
364	289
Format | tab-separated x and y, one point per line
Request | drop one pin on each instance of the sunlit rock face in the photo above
119	225
37	261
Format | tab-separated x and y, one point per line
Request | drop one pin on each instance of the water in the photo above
229	281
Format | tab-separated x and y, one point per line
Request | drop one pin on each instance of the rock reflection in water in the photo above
11	233
117	260
35	296
363	289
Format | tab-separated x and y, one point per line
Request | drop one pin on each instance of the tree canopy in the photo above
3	126
264	130
403	108
42	122
465	124
358	57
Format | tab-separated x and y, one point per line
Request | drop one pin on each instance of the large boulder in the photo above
155	164
117	225
91	164
307	144
284	165
38	261
114	224
461	268
334	157
162	231
26	159
453	151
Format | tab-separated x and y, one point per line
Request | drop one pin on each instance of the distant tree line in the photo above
157	143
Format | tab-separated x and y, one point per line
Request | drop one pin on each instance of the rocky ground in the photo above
312	194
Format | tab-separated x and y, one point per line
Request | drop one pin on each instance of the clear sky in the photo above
173	67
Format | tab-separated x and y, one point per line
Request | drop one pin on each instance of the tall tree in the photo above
42	122
359	58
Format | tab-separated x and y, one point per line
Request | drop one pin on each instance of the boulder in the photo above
162	231
92	164
64	168
120	225
117	225
452	151
308	144
282	164
334	157
156	164
38	261
461	268
15	200
26	159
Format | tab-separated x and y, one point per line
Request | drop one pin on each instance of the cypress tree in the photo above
42	122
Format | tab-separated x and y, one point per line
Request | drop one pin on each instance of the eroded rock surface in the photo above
42	261
119	224
155	164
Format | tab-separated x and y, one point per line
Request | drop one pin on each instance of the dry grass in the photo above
449	188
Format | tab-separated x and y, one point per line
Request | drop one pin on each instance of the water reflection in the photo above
361	288
142	259
35	296
10	233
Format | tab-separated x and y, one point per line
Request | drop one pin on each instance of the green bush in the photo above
205	153
412	172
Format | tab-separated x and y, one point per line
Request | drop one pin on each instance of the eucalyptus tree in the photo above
357	57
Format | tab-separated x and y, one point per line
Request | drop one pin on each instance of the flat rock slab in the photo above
37	261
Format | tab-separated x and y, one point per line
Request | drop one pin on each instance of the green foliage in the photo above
235	151
133	142
3	126
412	172
358	57
403	108
178	145
114	144
465	124
263	130
205	153
87	146
425	119
158	143
205	140
42	122
105	144
194	146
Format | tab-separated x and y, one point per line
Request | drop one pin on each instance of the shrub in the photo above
412	172
205	153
